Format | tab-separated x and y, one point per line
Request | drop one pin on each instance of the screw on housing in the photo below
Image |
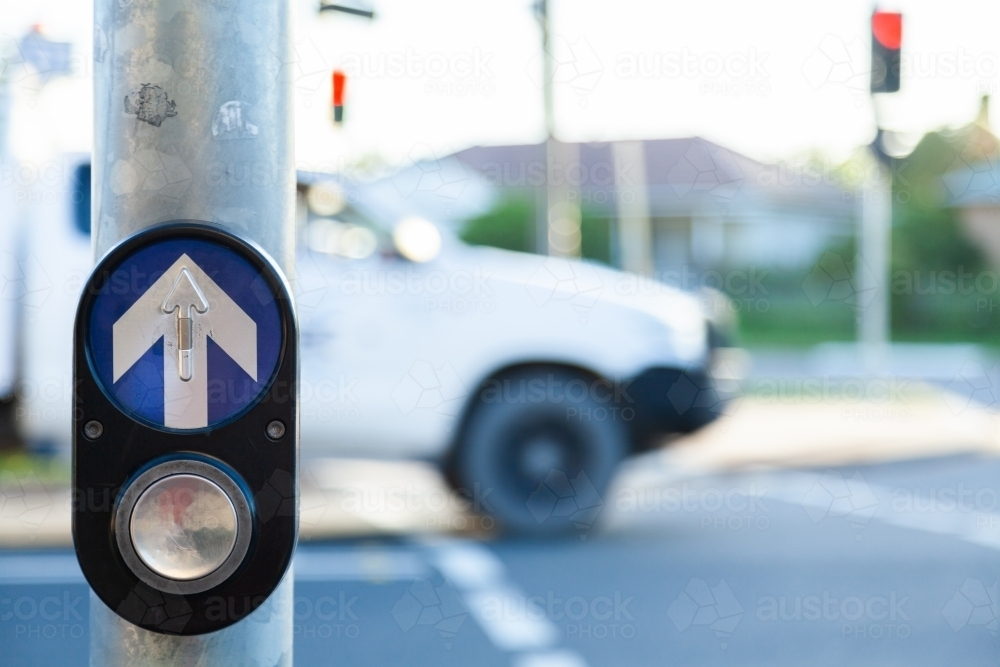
276	430
93	429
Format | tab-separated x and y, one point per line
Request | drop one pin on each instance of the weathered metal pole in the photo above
193	120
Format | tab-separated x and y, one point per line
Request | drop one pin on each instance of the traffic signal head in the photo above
887	38
339	82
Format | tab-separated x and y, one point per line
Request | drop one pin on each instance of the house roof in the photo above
684	176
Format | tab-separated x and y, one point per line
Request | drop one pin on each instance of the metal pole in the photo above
563	198
193	120
632	197
873	276
542	222
558	224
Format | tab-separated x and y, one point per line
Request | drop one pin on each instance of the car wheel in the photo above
539	461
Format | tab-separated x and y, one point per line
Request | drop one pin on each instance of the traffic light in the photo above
339	81
887	38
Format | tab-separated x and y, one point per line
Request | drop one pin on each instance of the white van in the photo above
47	244
528	378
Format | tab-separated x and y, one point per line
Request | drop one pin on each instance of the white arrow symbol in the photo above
202	310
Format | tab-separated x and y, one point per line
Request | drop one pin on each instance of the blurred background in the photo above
770	230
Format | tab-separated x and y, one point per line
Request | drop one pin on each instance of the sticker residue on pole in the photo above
150	104
230	122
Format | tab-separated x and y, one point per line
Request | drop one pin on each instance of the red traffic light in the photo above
887	29
887	37
339	81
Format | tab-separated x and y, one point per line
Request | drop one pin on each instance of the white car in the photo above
527	378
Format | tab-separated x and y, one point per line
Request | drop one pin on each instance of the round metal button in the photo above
183	527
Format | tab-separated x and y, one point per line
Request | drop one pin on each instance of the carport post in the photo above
193	120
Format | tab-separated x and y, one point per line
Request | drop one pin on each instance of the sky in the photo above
773	79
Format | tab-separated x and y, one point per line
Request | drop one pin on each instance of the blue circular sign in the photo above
185	333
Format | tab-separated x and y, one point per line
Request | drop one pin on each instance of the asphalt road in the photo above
883	565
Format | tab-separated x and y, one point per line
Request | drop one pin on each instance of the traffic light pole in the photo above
875	251
193	121
875	233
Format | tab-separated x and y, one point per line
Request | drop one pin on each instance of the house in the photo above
708	207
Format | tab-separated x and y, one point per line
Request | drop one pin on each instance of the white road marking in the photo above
502	610
842	494
511	622
859	503
549	659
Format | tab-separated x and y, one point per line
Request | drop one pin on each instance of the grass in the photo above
47	470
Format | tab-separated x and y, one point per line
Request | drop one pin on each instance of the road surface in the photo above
888	564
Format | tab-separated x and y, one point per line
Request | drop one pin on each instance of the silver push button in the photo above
183	527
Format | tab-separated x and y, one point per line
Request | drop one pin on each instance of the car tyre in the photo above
539	451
